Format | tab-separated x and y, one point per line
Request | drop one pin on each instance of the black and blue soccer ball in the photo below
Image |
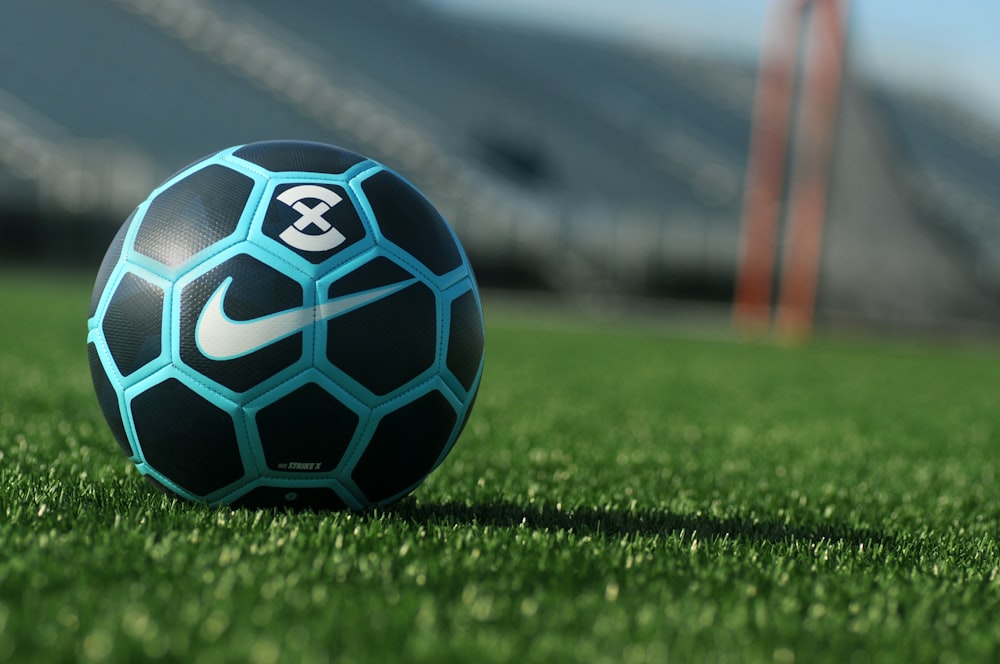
286	324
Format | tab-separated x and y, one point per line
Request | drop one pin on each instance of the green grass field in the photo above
620	494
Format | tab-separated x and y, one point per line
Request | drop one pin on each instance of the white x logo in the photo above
311	215
329	237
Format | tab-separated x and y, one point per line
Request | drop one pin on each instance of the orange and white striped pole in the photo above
813	156
766	167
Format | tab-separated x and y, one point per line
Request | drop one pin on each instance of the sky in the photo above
945	46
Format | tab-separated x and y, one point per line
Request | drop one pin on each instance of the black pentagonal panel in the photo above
405	446
311	498
314	220
411	222
465	339
307	430
376	273
187	439
384	344
256	291
299	156
193	214
111	257
133	323
107	397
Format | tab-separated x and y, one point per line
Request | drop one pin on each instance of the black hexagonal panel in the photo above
384	344
183	436
411	222
107	397
405	446
307	430
256	291
193	214
310	498
305	156
316	221
111	257
133	323
465	339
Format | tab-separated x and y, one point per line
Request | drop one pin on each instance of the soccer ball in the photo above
286	324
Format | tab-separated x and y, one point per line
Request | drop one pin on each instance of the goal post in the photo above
813	31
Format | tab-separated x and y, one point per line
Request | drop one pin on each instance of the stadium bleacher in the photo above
564	162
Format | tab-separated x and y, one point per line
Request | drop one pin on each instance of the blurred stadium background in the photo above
589	152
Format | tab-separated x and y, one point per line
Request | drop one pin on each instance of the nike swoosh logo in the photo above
219	337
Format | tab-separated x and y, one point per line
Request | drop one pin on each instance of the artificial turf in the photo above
621	494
